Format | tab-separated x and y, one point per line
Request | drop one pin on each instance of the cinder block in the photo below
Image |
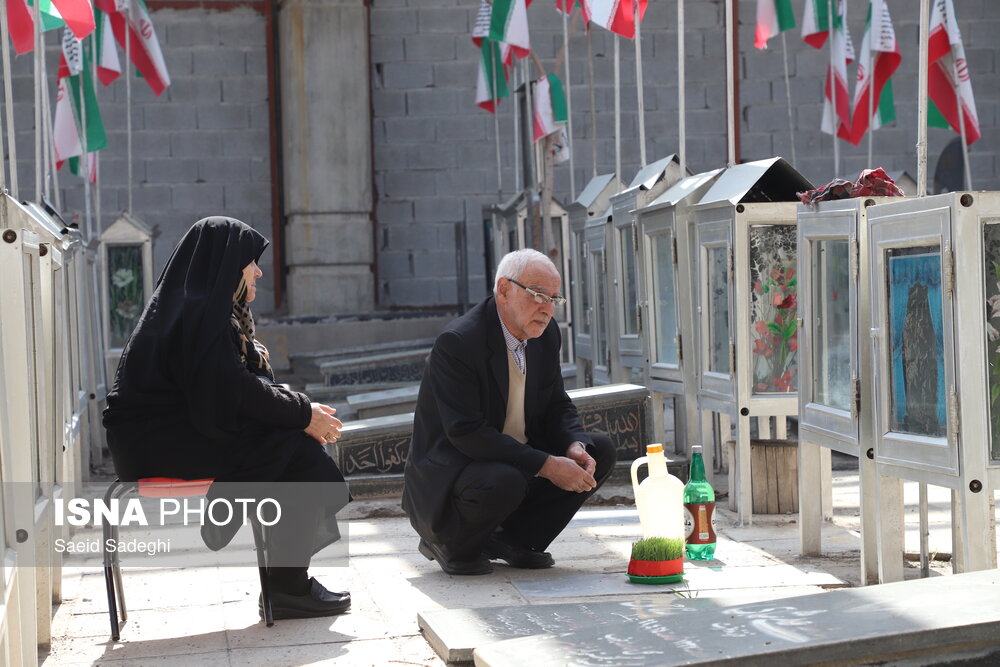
260	116
195	90
434	48
168	116
387	103
390	156
439	209
756	145
389	212
387	49
225	170
179	63
219	62
256	59
190	32
223	117
460	182
171	171
761	118
434	263
393	21
196	144
460	74
246	195
260	170
197	197
244	90
409	130
407	75
431	102
416	237
409	183
153	143
472	128
430	156
151	197
241	26
453	21
412	292
245	142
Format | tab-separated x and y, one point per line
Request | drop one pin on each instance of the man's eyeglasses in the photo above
539	297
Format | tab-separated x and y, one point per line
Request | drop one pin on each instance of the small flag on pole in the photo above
773	17
815	29
618	16
144	47
509	24
550	106
878	47
948	73
491	86
76	102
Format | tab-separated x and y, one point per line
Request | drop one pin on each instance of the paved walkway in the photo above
208	615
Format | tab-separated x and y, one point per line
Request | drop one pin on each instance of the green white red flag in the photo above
109	67
566	6
878	47
773	17
144	48
948	82
550	106
77	115
491	86
815	30
77	15
815	23
618	16
509	24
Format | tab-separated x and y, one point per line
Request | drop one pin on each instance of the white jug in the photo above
660	497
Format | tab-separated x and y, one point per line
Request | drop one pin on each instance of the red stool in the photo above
165	487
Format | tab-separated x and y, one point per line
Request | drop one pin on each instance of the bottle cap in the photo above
654	448
696	449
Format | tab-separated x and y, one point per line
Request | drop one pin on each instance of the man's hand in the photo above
323	426
578	452
567	474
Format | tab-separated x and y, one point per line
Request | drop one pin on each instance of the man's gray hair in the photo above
515	263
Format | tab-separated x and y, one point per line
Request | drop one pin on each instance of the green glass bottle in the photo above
699	508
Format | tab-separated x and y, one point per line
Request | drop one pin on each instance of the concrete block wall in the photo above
435	153
201	148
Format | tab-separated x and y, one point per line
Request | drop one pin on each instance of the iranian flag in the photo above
948	72
773	17
491	85
481	31
550	106
509	24
77	15
878	47
76	106
618	16
566	6
815	30
144	47
109	67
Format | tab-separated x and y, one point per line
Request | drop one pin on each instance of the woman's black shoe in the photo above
317	602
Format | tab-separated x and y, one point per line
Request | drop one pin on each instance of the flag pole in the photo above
922	67
37	55
50	148
871	85
47	161
788	95
618	111
515	77
569	106
638	85
832	79
961	125
681	125
730	88
8	106
494	53
128	107
593	106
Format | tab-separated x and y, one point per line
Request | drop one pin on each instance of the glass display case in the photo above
628	351
747	301
666	241
934	354
592	202
596	267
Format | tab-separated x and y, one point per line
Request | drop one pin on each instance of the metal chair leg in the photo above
262	568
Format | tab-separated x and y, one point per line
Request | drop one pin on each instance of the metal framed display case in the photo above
593	200
596	246
513	229
937	387
835	401
628	349
746	330
667	300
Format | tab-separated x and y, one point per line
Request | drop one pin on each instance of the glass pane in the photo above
718	310
831	363
916	342
581	320
125	297
630	305
773	306
601	352
664	299
991	251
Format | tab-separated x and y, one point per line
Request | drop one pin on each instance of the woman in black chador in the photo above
194	398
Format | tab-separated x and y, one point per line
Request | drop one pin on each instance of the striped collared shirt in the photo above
515	346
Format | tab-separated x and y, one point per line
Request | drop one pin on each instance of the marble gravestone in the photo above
926	621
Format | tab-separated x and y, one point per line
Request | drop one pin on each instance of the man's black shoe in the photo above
517	556
317	602
451	565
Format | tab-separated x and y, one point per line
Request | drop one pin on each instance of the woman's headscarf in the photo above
185	333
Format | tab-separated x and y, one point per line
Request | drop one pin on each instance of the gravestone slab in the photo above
927	621
455	633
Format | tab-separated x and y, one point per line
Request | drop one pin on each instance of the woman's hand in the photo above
323	426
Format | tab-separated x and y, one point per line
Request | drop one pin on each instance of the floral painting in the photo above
773	307
125	291
991	246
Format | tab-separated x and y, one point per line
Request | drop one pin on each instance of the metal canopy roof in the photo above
594	190
681	190
649	175
771	180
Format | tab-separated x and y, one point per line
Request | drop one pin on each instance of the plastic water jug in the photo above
660	497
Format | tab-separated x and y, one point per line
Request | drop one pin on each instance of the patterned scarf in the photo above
253	354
